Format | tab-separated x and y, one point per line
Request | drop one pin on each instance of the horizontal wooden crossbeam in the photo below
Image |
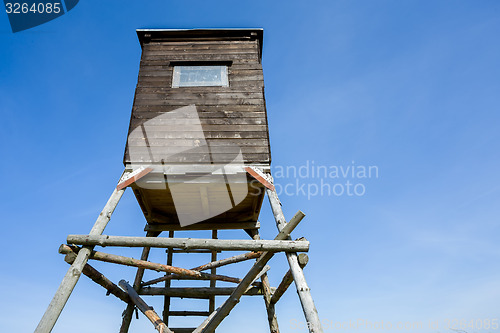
100	279
210	265
189	313
117	259
201	292
203	226
190	243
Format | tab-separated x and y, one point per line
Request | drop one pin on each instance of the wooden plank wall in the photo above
229	115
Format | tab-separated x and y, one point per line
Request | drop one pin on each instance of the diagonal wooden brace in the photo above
100	279
121	260
288	279
129	310
259	265
210	265
144	308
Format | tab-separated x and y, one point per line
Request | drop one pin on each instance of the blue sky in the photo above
411	87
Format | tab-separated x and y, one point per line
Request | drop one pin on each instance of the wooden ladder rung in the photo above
183	330
192	251
189	313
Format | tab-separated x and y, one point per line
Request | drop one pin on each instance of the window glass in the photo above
200	76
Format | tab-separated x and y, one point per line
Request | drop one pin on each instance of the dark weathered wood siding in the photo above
234	114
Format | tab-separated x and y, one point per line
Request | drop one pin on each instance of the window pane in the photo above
200	76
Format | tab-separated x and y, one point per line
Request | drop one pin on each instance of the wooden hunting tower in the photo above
199	100
197	158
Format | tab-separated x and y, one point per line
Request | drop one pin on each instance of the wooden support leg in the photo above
144	308
166	301
129	311
213	271
288	279
69	281
266	288
310	312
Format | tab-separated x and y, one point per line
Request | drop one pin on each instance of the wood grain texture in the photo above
234	115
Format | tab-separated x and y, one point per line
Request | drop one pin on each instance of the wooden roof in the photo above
147	35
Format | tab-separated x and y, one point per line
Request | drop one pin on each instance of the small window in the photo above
200	76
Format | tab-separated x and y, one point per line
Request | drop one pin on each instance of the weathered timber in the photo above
202	226
144	308
204	111
200	328
210	265
228	261
216	108
100	279
167	300
201	292
121	260
261	273
202	90
189	314
259	265
212	101
235	296
213	271
310	312
175	94
69	281
129	310
266	288
191	251
183	330
190	243
271	312
288	279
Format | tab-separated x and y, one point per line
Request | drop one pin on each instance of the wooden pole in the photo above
189	314
191	243
202	226
266	288
213	271
230	260
310	312
166	300
129	310
200	328
144	308
200	292
116	259
259	265
69	281
234	299
100	279
213	264
288	279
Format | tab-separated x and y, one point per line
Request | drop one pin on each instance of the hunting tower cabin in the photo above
197	158
198	122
